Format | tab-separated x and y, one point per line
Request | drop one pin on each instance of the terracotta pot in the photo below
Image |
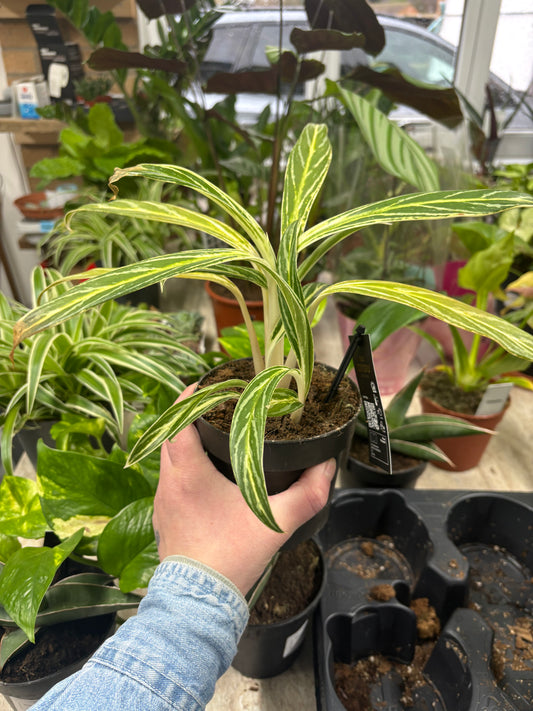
465	452
391	359
227	311
285	460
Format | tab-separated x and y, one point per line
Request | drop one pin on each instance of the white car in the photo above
240	39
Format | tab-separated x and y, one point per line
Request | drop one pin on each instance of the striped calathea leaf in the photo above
289	313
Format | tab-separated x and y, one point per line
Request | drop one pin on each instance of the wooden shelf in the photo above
32	131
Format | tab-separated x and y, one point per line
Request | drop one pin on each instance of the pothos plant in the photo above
290	305
100	518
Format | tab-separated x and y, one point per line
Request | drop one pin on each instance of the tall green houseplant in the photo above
290	304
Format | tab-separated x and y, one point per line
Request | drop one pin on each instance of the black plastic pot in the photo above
285	460
268	650
365	475
31	434
470	555
22	695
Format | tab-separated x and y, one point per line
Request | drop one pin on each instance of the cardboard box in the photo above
30	95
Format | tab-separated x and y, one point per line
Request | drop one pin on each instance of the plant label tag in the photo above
378	432
494	399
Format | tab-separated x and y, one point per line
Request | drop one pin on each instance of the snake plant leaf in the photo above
127	547
397	408
306	171
181	414
92	577
26	577
12	641
118	282
246	441
20	508
63	603
510	337
424	428
395	151
427	451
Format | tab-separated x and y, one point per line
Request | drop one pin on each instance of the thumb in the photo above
305	498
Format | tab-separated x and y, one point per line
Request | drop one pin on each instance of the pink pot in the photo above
391	359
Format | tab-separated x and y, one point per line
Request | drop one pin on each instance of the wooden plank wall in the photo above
21	58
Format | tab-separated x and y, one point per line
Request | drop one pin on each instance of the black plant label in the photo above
378	432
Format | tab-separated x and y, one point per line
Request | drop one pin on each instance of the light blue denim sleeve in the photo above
169	655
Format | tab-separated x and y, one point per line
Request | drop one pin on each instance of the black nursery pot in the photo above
365	475
22	695
285	460
470	556
268	650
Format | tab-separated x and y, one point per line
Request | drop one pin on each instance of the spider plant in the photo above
98	364
290	305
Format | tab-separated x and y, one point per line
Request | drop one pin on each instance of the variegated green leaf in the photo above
182	176
170	215
407	208
118	282
6	437
20	508
39	350
247	436
284	401
395	151
106	389
181	414
511	338
306	171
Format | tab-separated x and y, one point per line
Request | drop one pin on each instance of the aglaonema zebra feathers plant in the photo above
290	306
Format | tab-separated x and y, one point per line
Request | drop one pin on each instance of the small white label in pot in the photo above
294	641
494	399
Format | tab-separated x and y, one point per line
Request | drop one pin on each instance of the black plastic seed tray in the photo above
470	554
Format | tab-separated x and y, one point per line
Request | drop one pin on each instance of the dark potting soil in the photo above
400	462
251	292
293	583
354	682
56	647
318	416
437	386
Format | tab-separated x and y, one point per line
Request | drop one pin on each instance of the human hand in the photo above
201	514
